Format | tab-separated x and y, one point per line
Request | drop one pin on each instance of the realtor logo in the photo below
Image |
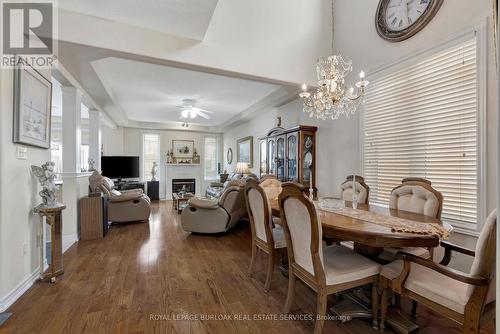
28	33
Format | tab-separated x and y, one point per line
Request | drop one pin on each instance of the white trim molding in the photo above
19	290
68	241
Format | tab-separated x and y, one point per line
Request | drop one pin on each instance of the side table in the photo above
53	217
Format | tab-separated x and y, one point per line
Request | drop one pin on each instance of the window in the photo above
422	121
84	157
210	158
150	153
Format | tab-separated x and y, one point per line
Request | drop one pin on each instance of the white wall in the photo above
112	140
18	196
338	142
132	144
360	42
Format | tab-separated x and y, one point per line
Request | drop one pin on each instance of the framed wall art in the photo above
32	107
183	148
244	151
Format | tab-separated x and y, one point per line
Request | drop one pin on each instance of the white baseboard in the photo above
19	290
68	240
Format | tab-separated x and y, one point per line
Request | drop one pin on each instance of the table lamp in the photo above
242	168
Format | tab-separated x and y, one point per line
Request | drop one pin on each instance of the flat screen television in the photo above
120	167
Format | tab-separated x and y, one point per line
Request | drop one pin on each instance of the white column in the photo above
71	188
72	114
95	138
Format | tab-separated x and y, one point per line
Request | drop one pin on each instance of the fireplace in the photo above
188	184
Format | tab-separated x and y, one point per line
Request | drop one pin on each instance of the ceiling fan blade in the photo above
202	114
204	110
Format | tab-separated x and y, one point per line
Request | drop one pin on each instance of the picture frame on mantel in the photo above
183	149
32	107
244	150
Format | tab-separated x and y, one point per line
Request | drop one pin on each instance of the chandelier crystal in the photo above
332	99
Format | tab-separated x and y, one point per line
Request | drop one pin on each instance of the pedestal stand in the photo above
53	215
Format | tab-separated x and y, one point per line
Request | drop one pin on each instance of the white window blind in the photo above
150	153
422	121
210	158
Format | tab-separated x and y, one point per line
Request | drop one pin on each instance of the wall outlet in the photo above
22	153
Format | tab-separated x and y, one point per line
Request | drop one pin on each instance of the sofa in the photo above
123	206
205	215
215	189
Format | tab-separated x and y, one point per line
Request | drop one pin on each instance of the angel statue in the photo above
91	165
46	177
154	171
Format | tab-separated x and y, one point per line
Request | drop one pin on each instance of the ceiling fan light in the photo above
192	113
185	113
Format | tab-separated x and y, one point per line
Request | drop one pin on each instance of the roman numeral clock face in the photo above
401	14
398	20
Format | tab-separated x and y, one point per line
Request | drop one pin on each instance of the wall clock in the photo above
397	20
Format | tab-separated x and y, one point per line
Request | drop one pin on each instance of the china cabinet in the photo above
290	154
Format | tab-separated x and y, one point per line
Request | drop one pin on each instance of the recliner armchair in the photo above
216	189
123	206
204	215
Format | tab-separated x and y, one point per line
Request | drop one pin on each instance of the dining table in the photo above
366	228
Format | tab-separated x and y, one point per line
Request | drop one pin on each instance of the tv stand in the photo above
128	185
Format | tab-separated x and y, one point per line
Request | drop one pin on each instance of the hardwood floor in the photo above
155	278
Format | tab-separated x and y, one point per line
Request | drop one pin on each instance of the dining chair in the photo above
346	192
418	196
271	186
362	189
326	270
266	235
467	298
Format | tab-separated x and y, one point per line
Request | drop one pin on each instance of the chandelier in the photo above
332	99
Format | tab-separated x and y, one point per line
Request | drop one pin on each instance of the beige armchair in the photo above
123	206
326	270
467	298
203	215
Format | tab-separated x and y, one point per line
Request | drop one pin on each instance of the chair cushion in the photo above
344	265
279	237
390	253
431	285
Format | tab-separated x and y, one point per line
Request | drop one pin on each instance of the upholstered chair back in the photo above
271	186
99	183
302	229
417	195
232	199
362	189
259	211
484	261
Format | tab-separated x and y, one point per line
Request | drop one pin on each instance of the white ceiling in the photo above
187	18
148	92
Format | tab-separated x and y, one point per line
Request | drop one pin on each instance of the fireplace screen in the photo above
188	185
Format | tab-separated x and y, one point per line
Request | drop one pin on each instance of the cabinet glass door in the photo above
291	164
307	160
263	157
271	153
280	151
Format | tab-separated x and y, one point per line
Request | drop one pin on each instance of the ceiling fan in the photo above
188	110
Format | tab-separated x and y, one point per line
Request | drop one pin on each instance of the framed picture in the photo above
183	148
32	107
244	151
229	156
